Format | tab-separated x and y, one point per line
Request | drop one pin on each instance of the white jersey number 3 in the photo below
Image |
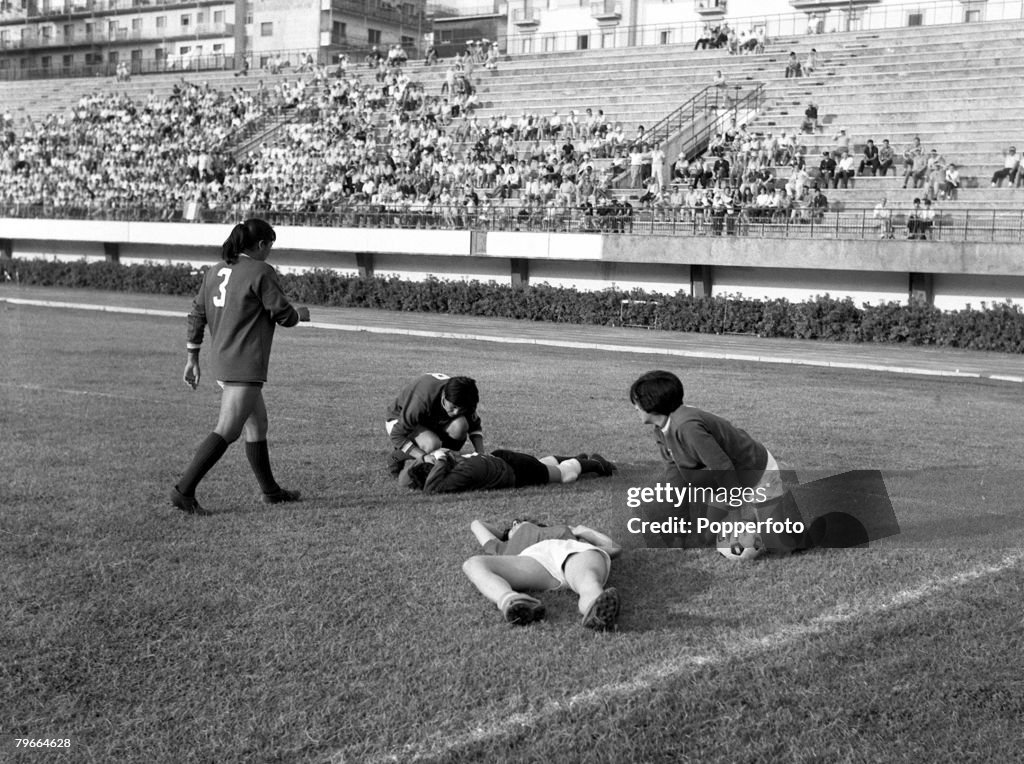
221	296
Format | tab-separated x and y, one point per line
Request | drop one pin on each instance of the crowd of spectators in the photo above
109	152
725	37
378	147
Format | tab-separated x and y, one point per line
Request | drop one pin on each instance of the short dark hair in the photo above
417	474
657	392
462	391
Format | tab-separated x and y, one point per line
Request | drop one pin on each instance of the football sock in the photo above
259	459
570	470
590	466
208	454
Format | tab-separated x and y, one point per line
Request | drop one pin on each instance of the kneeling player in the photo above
453	473
434	411
533	557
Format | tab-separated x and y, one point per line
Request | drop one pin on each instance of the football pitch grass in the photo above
342	628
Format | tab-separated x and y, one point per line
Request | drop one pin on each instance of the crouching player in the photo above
705	452
453	473
534	557
432	412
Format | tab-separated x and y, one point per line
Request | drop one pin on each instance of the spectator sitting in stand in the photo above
811	63
951	186
810	123
827	169
844	171
870	160
886	157
1009	170
793	66
819	205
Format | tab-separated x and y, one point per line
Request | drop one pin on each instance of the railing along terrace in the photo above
708	112
838	18
981	226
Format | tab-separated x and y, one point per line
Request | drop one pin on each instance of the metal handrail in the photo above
691	117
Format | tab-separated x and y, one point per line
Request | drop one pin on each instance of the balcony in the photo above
526	18
606	11
106	37
711	9
824	6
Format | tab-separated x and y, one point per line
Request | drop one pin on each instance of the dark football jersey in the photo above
242	303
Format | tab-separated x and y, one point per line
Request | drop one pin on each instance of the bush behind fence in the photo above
998	327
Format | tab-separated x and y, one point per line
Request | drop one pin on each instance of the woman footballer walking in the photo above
242	302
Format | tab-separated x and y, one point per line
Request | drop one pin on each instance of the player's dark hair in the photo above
246	235
418	474
657	392
508	525
463	393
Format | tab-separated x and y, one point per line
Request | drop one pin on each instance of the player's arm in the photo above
276	302
598	539
483	532
194	341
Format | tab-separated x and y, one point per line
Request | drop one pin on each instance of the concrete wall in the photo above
951	275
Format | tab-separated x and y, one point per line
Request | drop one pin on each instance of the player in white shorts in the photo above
535	557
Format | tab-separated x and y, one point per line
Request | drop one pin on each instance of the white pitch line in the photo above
573	344
659	673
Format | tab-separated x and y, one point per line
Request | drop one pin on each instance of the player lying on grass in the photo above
534	557
433	411
453	473
707	451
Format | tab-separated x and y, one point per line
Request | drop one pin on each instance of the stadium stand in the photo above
946	84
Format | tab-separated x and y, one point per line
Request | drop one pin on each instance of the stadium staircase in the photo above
958	87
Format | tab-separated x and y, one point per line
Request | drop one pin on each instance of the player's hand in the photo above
303	313
192	374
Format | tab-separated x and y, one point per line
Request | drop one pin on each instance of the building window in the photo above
45	62
218	17
186	21
112	57
915	19
136	25
665	37
373	36
200	18
338	30
407	41
582	42
161	22
67	61
267	29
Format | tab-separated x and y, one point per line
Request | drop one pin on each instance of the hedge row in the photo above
998	327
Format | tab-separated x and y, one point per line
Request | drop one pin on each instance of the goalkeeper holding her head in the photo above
242	302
